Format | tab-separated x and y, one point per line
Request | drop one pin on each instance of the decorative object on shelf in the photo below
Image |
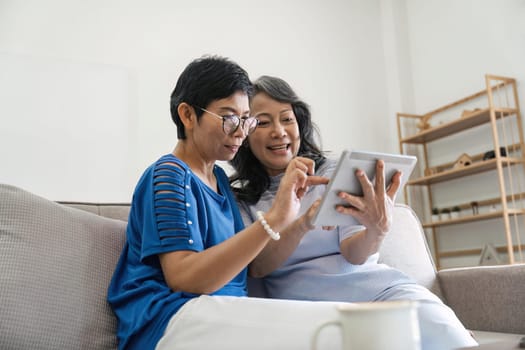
435	214
492	154
424	122
469	112
489	256
463	161
437	169
475	208
454	214
430	171
445	214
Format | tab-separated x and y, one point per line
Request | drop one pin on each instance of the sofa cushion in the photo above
55	265
405	248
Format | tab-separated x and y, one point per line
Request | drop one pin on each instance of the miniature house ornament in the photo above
463	161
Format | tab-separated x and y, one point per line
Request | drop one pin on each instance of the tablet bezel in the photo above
344	179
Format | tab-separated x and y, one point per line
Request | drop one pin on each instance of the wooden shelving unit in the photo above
500	119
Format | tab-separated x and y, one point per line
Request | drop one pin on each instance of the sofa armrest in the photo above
487	298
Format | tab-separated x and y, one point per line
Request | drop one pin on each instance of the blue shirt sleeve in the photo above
179	212
166	213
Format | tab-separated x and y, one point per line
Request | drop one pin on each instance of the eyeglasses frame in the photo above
241	120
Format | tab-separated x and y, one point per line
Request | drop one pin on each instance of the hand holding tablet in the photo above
344	179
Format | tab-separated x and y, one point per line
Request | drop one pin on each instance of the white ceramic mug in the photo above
381	325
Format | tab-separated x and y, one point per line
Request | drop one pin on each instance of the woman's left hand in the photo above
374	209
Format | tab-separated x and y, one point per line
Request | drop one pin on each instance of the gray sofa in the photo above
56	260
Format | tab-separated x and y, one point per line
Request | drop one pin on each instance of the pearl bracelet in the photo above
274	235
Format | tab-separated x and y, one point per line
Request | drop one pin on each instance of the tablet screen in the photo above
344	179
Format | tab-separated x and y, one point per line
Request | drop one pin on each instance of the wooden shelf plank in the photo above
479	157
479	117
474	168
491	201
472	218
476	251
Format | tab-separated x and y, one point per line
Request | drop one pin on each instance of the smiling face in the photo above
276	140
207	134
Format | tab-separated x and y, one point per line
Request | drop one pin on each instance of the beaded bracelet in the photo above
274	235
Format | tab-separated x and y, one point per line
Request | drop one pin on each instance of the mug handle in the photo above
320	328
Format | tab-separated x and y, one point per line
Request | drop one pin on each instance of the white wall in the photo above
88	108
452	45
331	51
66	127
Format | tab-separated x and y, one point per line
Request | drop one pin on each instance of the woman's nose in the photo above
240	131
278	129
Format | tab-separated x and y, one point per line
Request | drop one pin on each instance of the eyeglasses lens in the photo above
249	125
230	124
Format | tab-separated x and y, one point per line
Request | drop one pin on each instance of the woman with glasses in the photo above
331	263
183	270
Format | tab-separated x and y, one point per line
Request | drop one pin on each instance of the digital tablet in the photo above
344	179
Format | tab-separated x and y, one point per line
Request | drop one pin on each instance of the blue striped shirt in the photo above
171	210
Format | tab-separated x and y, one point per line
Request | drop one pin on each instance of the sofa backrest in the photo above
119	211
55	266
404	248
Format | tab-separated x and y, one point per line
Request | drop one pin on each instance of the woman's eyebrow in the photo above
232	110
263	114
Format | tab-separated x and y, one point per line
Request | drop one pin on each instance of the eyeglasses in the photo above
230	123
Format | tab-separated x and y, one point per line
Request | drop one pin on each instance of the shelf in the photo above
492	201
479	117
515	147
477	251
472	218
474	168
491	134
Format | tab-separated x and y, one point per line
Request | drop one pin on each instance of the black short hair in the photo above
205	80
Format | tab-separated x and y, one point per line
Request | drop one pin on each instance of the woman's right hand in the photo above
294	184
